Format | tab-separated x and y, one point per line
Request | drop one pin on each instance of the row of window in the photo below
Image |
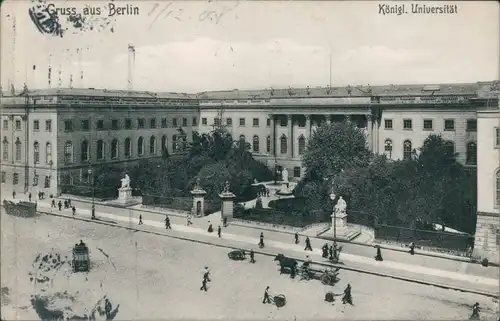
36	125
282	121
283	144
177	142
428	124
15	179
408	150
18	151
114	124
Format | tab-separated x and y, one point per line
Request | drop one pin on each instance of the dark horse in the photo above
286	263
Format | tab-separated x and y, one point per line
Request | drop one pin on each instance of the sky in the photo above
194	46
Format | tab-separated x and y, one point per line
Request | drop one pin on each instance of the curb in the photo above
340	266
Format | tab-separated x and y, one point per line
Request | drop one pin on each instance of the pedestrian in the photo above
39	195
330	251
29	196
252	256
224	221
204	285
206	274
296	238
267	192
475	311
53	204
266	299
261	240
74	210
412	248
325	251
14	194
140	219
219	230
59	204
66	204
210	227
378	257
69	202
347	298
308	244
167	223
43	195
188	220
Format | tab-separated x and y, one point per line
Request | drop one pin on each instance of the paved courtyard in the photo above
155	277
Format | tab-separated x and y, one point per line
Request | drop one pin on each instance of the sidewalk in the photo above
353	261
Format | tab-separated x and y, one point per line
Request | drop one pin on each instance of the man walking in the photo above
14	194
204	285
167	223
59	204
140	219
74	210
206	274
189	220
29	196
412	248
308	244
252	256
219	231
267	299
296	238
261	240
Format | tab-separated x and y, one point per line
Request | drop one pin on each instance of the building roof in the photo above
108	93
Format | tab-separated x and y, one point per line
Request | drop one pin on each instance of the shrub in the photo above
484	262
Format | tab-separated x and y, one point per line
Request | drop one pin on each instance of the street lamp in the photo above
275	170
332	197
93	203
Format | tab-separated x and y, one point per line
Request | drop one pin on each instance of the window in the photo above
128	123
15	179
114	124
268	122
471	125
301	122
407	124
36	153
68	153
195	121
204	121
283	121
5	149
84	151
268	144
114	148
18	150
140	146
18	125
68	125
174	143
5	124
128	147
255	144
100	124
449	125
48	153
100	149
164	123
471	158
407	149
140	123
296	172
152	145
4	177
229	122
35	180
85	124
242	121
174	122
388	123
497	137
184	122
216	121
48	125
427	124
152	123
302	144
498	188
36	125
47	182
450	148
283	145
255	122
388	148
164	142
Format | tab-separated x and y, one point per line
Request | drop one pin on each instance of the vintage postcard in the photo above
250	160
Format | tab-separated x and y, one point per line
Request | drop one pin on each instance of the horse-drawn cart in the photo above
81	259
237	255
279	300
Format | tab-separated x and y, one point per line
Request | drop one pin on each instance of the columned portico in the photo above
290	138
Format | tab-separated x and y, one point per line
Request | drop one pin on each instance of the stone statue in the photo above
284	175
197	185
126	181
341	206
226	187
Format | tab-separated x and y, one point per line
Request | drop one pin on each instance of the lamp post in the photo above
332	197
275	170
93	203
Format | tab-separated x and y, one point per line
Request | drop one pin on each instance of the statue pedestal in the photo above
227	210
198	209
124	194
285	189
340	230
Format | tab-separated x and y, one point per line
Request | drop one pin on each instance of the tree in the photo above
333	148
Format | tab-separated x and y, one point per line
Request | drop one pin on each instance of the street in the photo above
154	277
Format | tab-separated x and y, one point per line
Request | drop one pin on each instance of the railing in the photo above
271	226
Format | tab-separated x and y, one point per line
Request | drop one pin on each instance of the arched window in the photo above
450	147
18	150
283	145
152	145
302	145
268	144
497	188
140	146
85	151
5	149
114	148
68	152
255	144
242	141
407	149
36	153
471	153
164	143
48	153
174	143
388	148
128	147
242	138
100	149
